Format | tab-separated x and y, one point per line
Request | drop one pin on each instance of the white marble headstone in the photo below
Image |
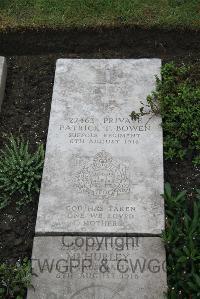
103	172
3	74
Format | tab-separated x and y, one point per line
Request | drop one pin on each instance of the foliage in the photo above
182	240
82	13
177	99
20	172
15	279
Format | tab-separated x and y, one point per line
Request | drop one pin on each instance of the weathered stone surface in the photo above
103	172
98	268
3	74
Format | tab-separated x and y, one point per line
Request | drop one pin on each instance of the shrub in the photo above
15	279
177	100
20	172
182	240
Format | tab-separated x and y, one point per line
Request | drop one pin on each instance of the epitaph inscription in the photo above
103	171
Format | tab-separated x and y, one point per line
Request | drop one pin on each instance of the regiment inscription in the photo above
104	131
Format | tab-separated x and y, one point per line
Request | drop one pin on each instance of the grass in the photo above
83	13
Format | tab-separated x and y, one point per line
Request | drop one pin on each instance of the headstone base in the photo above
98	267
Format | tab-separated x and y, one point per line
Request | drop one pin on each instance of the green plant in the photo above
89	13
20	172
177	100
15	279
182	241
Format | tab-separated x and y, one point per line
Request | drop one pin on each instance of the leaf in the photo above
192	286
197	279
2	291
181	195
182	259
168	190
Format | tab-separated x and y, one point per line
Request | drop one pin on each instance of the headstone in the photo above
98	268
103	172
3	74
102	181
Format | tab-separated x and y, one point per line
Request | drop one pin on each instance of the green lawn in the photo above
81	13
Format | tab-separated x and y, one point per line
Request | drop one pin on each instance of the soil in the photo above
31	57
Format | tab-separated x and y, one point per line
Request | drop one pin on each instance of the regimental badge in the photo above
103	176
